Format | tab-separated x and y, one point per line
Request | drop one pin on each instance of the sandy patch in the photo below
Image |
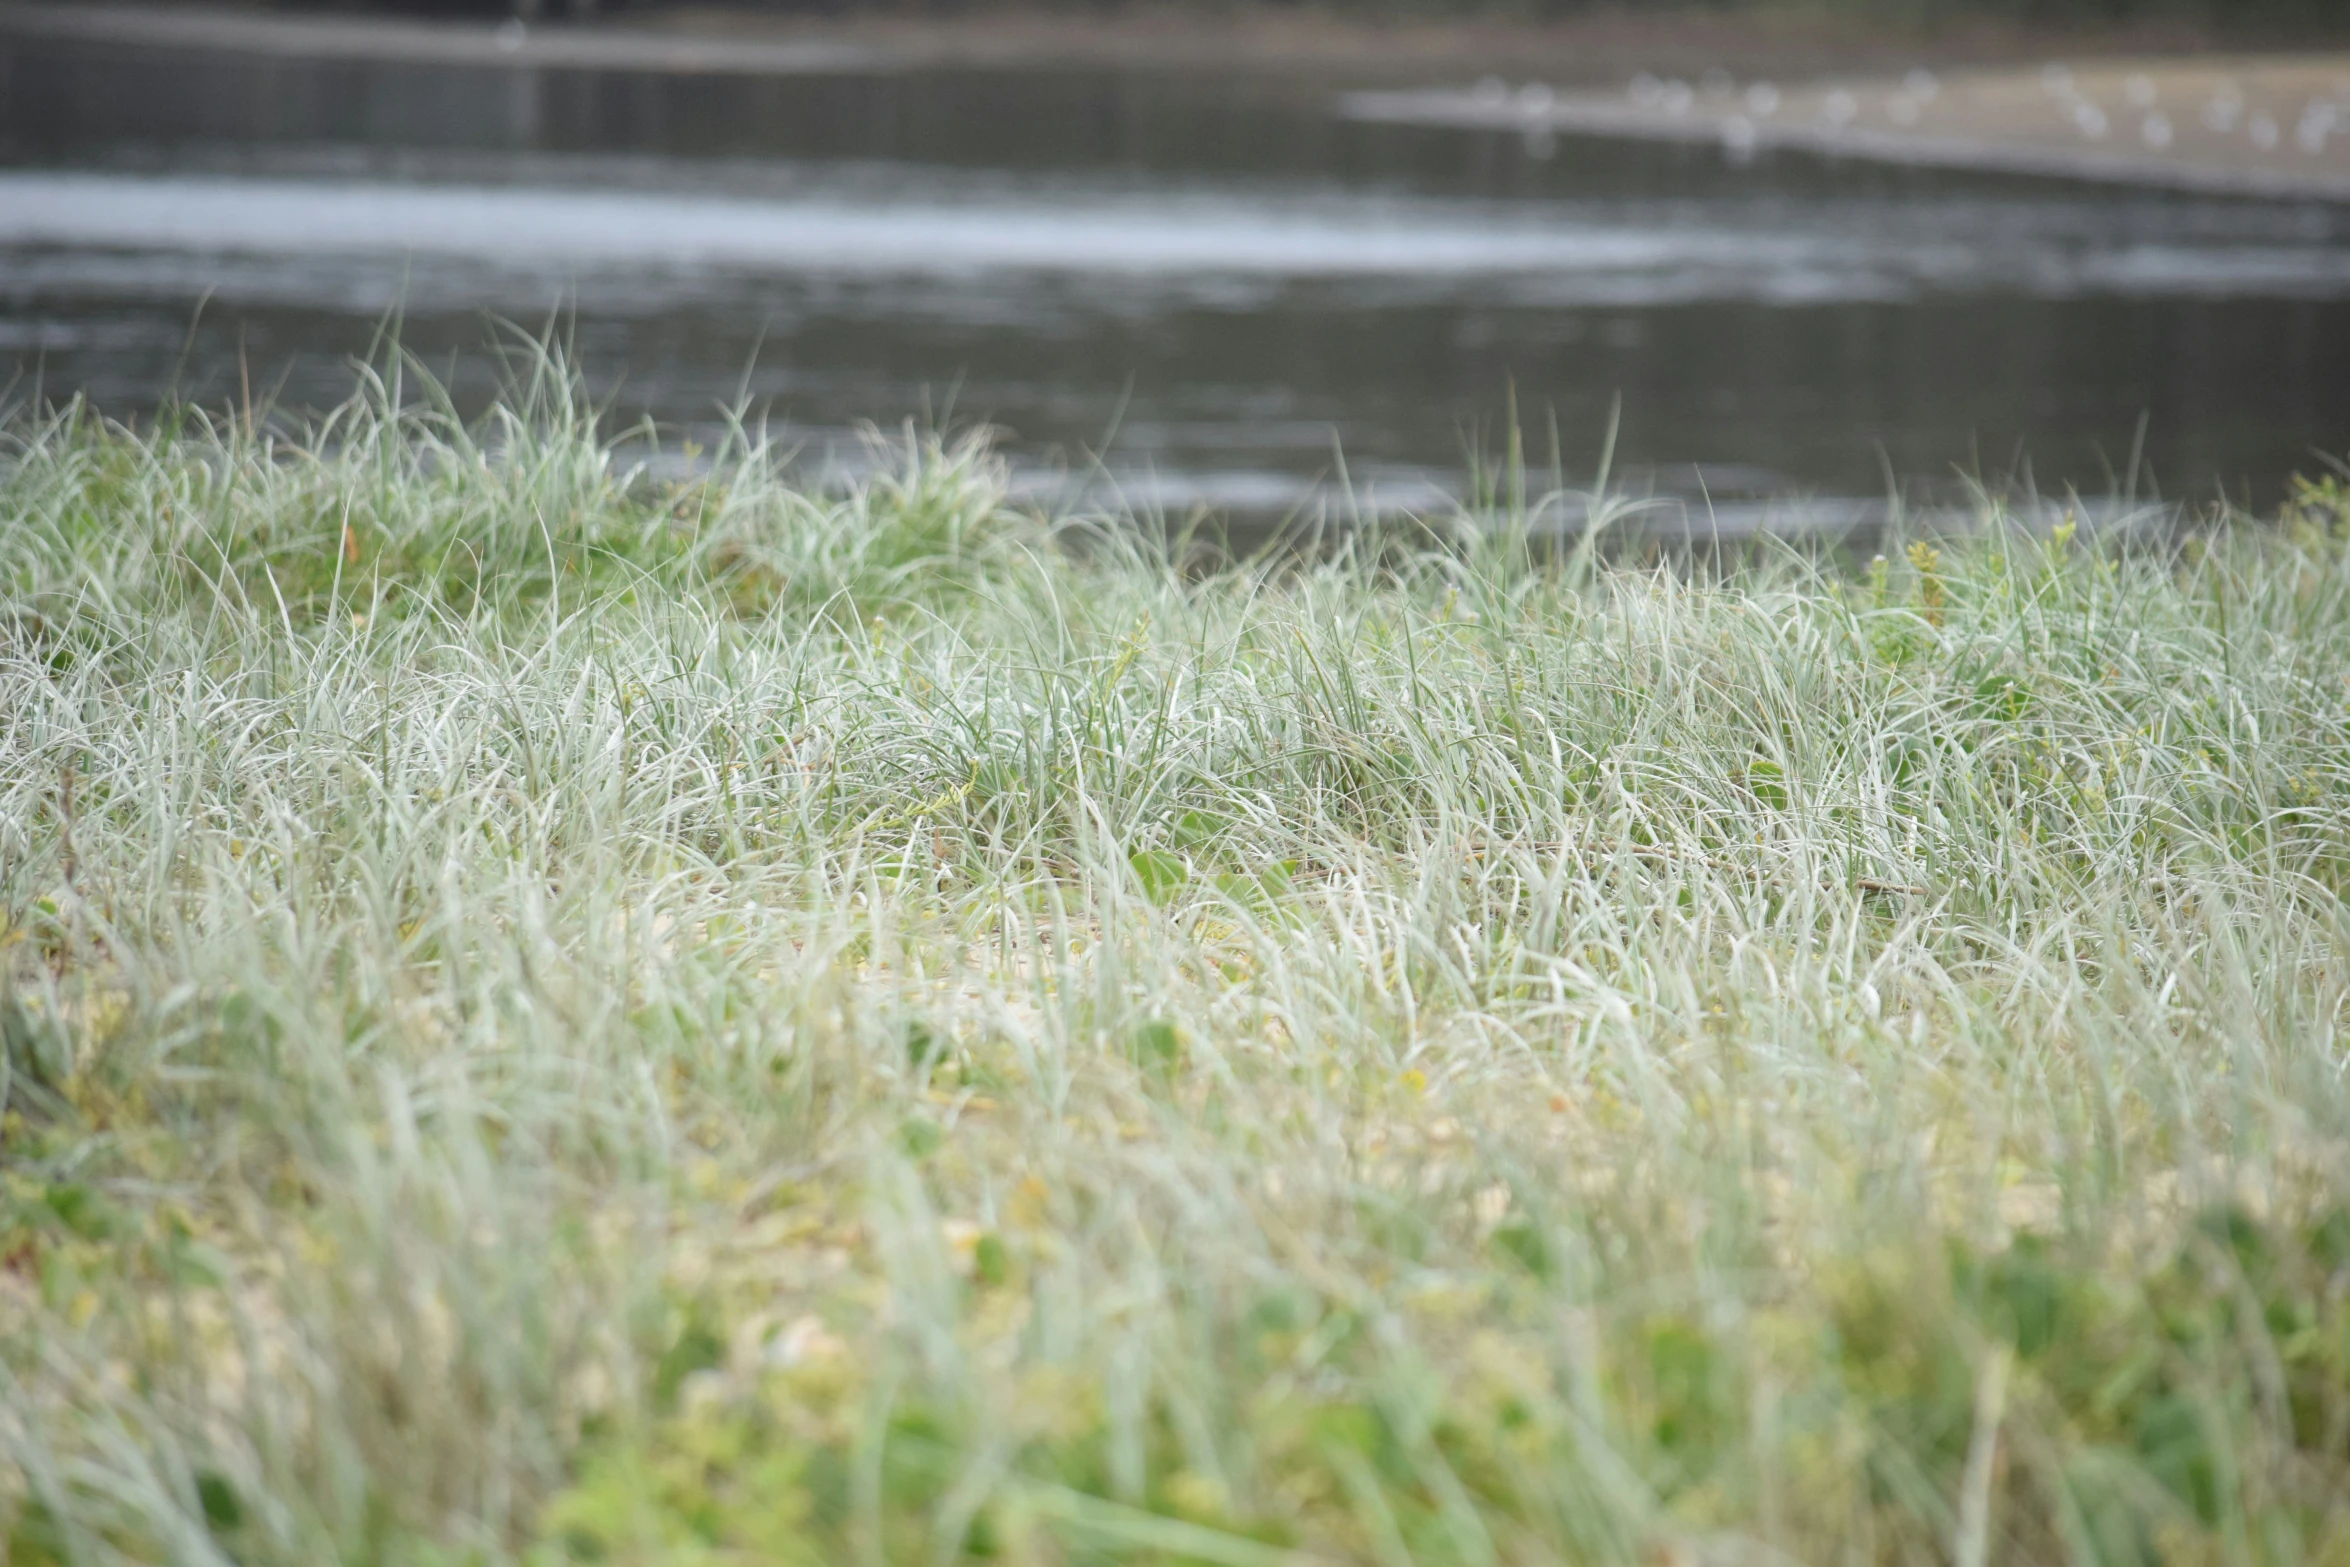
2257	125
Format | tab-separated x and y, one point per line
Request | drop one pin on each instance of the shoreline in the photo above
2271	127
711	40
1764	82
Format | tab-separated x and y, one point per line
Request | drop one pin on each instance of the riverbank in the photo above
554	1016
1592	48
2262	126
2154	107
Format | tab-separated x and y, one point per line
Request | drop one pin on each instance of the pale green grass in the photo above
558	1018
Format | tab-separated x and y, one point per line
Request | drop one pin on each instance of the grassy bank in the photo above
556	1017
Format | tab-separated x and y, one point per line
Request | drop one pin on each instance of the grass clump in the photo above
552	1017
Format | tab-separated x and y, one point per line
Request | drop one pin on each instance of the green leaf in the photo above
1158	1046
1519	1240
920	1136
923	1048
1194	828
82	1211
991	1260
1681	1363
222	1510
1161	875
1262	893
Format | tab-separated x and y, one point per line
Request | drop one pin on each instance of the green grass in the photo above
554	1017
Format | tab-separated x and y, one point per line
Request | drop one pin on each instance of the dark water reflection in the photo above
1214	275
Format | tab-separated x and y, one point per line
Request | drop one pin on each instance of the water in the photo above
1208	290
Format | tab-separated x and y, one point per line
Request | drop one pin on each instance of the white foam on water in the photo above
1010	254
553	228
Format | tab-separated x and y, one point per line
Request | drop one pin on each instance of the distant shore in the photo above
1589	49
2153	105
2253	125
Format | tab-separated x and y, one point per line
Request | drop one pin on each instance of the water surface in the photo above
1216	290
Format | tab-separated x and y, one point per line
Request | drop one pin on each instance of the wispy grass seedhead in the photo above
558	1015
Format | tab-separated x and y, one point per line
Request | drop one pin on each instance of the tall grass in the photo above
557	1017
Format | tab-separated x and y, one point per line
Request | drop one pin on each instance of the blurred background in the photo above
1159	253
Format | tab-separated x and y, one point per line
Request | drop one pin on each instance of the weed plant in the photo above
552	1017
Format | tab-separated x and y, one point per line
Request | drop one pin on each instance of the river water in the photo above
1196	289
